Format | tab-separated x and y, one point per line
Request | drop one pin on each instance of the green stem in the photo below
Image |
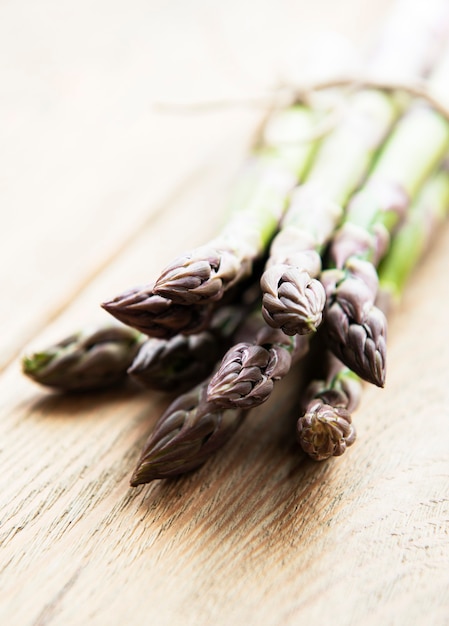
261	192
411	240
345	156
415	147
292	299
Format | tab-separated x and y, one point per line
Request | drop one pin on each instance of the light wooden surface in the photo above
98	192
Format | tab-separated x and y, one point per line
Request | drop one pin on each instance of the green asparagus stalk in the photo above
207	272
355	328
248	371
90	359
293	299
185	436
413	239
325	429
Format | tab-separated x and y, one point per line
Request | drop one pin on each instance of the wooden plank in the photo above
259	533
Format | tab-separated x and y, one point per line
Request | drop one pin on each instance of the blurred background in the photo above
86	159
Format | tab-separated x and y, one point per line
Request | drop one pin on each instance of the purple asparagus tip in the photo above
292	300
325	431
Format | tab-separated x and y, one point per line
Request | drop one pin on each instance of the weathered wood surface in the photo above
98	192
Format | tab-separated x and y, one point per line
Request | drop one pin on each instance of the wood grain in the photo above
259	535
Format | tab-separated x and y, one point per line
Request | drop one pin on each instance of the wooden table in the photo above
99	190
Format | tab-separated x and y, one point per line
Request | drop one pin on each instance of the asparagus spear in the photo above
206	273
325	428
293	299
89	359
156	315
185	436
355	328
246	375
183	361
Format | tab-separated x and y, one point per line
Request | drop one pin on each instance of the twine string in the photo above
285	95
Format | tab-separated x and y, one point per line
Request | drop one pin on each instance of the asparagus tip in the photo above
32	363
325	431
246	375
292	300
141	476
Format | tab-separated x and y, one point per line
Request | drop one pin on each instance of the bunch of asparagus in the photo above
336	224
